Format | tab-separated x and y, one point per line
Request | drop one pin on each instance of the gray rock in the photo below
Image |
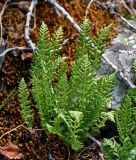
119	57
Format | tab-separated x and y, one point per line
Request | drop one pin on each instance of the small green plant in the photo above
125	118
69	107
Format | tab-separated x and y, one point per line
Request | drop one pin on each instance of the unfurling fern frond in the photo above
25	104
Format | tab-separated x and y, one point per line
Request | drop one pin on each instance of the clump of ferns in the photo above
125	118
68	107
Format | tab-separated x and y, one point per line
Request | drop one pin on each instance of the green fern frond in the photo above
45	64
67	127
56	127
126	117
99	93
42	51
62	89
100	122
56	41
99	46
25	103
110	148
83	45
73	121
105	84
99	39
81	80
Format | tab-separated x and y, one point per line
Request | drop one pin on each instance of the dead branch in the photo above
132	7
112	10
95	140
92	147
27	26
125	6
15	49
68	158
34	19
66	14
127	22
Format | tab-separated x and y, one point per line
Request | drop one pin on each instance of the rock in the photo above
119	57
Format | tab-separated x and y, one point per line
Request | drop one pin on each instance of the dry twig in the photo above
125	6
27	26
15	49
101	156
88	7
95	140
66	41
11	130
82	151
127	22
132	7
68	158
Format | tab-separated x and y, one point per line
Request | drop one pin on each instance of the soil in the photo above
36	144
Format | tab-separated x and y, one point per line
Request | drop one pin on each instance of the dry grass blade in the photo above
88	7
10	96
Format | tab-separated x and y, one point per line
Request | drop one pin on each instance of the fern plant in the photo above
126	124
68	107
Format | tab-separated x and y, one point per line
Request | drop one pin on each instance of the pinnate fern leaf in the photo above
25	103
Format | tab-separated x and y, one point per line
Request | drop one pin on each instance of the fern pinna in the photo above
68	107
